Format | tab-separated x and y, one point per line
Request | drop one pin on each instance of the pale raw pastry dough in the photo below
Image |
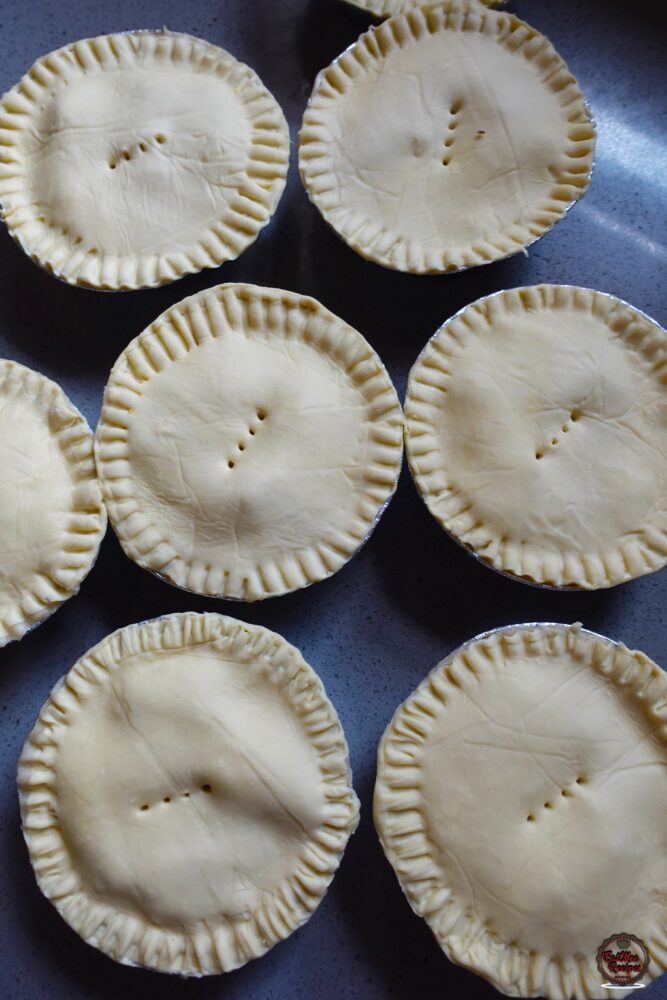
536	431
446	137
521	798
130	160
186	794
52	518
249	440
386	8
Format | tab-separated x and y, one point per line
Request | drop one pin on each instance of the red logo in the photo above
622	959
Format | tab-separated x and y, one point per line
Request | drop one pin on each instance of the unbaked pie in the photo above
249	441
186	794
520	798
448	136
132	159
536	431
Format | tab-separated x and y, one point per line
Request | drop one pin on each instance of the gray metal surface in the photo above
411	595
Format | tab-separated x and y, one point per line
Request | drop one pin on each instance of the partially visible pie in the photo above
52	518
386	8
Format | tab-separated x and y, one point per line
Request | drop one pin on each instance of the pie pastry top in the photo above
52	518
537	434
186	795
448	136
129	160
248	442
521	798
386	8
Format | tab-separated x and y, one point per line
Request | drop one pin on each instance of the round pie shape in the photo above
447	137
129	160
249	440
186	794
536	431
52	518
386	8
521	797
